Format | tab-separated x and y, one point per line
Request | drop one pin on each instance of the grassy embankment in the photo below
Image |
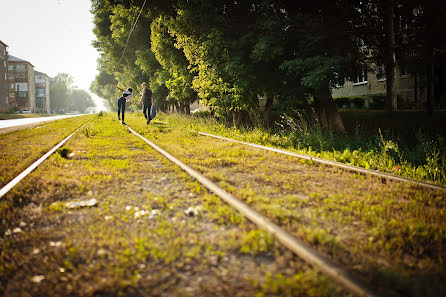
418	153
391	234
21	148
137	241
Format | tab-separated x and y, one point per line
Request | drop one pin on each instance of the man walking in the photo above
146	100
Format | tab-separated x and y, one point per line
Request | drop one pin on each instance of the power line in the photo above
131	30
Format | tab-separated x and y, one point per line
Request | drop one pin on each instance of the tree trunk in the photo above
320	111
429	70
267	111
329	110
187	109
182	107
430	86
391	85
177	106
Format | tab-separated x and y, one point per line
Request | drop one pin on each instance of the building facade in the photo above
373	82
22	93
42	85
4	84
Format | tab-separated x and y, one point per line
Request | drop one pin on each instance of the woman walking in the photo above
127	95
146	100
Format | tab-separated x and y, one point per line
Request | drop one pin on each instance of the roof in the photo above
40	73
3	43
15	59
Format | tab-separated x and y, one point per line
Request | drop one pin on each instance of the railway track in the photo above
335	164
297	246
5	189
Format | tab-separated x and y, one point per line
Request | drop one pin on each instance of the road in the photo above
5	124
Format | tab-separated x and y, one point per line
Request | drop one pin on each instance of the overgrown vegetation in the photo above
390	234
21	148
417	153
138	240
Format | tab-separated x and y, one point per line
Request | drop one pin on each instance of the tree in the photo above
65	96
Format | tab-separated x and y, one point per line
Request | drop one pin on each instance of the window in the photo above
40	92
7	99
20	67
40	102
11	75
21	86
360	77
10	67
22	102
20	75
11	86
11	95
22	94
380	72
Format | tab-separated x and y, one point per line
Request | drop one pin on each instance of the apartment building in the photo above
22	92
4	85
42	85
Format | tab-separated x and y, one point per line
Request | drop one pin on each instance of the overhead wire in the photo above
131	30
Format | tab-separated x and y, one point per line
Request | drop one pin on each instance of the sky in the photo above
53	35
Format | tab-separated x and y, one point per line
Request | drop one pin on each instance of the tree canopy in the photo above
227	54
65	96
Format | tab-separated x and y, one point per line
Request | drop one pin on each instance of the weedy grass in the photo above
21	148
422	157
391	234
138	240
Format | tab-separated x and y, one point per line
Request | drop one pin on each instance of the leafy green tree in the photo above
65	96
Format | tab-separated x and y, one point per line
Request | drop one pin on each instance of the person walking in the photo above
127	95
146	100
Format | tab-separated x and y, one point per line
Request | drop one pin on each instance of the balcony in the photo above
21	94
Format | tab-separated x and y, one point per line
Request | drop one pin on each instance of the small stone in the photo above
191	194
71	155
8	232
17	230
140	213
142	266
108	218
86	203
90	193
55	243
101	252
36	251
22	224
128	207
37	278
61	270
193	211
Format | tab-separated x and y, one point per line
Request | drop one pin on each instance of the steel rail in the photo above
33	166
335	164
294	244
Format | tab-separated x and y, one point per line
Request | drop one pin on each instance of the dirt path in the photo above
153	232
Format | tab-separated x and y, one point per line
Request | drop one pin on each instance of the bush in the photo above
357	102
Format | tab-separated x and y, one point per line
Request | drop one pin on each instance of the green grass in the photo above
21	148
116	249
420	155
391	234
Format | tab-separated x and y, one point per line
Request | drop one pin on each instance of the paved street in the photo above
27	121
